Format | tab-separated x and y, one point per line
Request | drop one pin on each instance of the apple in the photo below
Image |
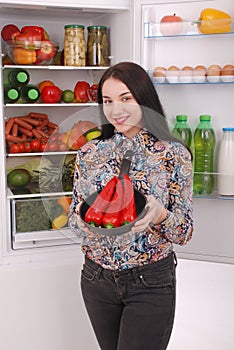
46	52
171	25
9	31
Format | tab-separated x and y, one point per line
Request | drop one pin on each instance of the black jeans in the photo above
131	309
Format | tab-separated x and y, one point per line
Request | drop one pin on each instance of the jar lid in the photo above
181	118
74	26
96	27
228	129
205	117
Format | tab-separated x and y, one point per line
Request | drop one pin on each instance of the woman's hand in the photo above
80	223
155	213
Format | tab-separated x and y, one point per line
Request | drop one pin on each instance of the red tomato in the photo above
27	147
22	147
51	94
15	148
35	145
43	147
52	146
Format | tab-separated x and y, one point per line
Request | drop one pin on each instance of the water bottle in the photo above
11	94
182	130
204	147
17	77
225	164
29	93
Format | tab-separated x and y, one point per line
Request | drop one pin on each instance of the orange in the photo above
45	83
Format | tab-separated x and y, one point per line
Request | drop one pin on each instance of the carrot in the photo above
25	131
14	130
23	124
38	115
31	121
36	134
11	138
9	125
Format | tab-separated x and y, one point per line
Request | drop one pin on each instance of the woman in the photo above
128	282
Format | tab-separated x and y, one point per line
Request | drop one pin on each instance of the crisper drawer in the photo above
40	222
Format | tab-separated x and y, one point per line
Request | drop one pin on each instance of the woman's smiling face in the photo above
120	107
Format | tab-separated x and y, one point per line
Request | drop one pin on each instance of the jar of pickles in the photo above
74	45
97	46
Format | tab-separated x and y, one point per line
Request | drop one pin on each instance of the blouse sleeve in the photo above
177	227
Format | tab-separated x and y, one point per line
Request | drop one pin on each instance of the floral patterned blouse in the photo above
160	168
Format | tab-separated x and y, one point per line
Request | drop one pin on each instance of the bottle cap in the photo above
181	118
228	129
22	77
33	94
96	27
13	94
205	118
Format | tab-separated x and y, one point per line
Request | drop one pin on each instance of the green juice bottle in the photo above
182	130
204	147
11	94
29	94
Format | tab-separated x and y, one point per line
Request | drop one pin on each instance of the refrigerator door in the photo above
184	46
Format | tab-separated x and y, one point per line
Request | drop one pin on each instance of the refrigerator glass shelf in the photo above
33	154
10	195
61	105
180	29
194	83
50	67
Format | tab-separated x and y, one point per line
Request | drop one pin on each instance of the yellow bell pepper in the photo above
213	21
24	56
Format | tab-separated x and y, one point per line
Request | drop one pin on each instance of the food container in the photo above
97	46
74	45
42	53
140	201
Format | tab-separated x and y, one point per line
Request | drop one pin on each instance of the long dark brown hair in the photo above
140	85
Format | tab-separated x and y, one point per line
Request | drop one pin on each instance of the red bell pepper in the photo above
129	212
40	30
81	91
94	214
51	94
112	215
28	39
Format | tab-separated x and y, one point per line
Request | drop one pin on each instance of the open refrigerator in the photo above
134	35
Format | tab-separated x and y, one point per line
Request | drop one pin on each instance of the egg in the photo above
172	74
227	73
213	73
159	74
185	75
199	74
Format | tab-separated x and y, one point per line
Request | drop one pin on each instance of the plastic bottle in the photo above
225	164
18	77
11	94
182	130
204	147
29	93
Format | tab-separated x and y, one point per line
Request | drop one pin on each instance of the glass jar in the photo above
74	45
97	46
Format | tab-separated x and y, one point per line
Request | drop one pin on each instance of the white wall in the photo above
41	308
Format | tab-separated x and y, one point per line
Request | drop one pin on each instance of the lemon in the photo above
60	221
92	135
